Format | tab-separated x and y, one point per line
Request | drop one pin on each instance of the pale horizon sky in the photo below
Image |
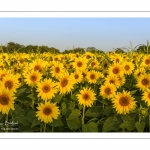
64	33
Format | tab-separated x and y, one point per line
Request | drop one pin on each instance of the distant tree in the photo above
119	50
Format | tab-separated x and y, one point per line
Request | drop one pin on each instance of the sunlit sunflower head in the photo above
128	67
46	89
10	82
107	90
77	76
146	97
92	76
116	69
121	79
33	78
86	97
88	55
143	82
6	101
3	73
47	112
117	58
105	64
66	83
139	71
80	64
113	80
57	69
146	61
38	65
94	64
123	102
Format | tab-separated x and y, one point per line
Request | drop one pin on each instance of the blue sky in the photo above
64	33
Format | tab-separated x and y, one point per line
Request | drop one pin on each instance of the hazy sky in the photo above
64	33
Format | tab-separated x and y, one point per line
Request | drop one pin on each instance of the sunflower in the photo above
80	64
6	101
123	102
94	64
47	112
139	71
66	83
10	82
115	69
77	76
57	69
107	90
143	82
128	67
113	79
92	76
146	96
146	61
46	89
86	97
33	78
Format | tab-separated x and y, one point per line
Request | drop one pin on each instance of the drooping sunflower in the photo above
33	78
66	83
107	90
86	97
123	102
143	82
10	82
92	76
146	97
6	101
128	67
47	112
46	89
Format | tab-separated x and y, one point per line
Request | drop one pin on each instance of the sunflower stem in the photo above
83	115
52	129
32	105
41	126
6	122
45	127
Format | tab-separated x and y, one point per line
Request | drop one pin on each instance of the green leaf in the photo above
93	112
35	122
31	96
20	91
74	97
129	125
140	126
63	108
74	123
129	117
31	115
56	123
58	98
111	124
24	120
1	116
90	127
74	114
133	92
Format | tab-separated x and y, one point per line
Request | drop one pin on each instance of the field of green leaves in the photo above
74	92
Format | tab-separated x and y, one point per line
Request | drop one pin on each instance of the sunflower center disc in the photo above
46	88
76	76
92	64
127	67
79	64
123	101
33	78
4	99
115	71
107	91
47	111
64	82
149	95
88	56
145	82
37	68
117	60
8	84
86	97
57	69
105	65
147	61
92	76
111	81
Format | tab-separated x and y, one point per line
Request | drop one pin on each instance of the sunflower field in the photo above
74	92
